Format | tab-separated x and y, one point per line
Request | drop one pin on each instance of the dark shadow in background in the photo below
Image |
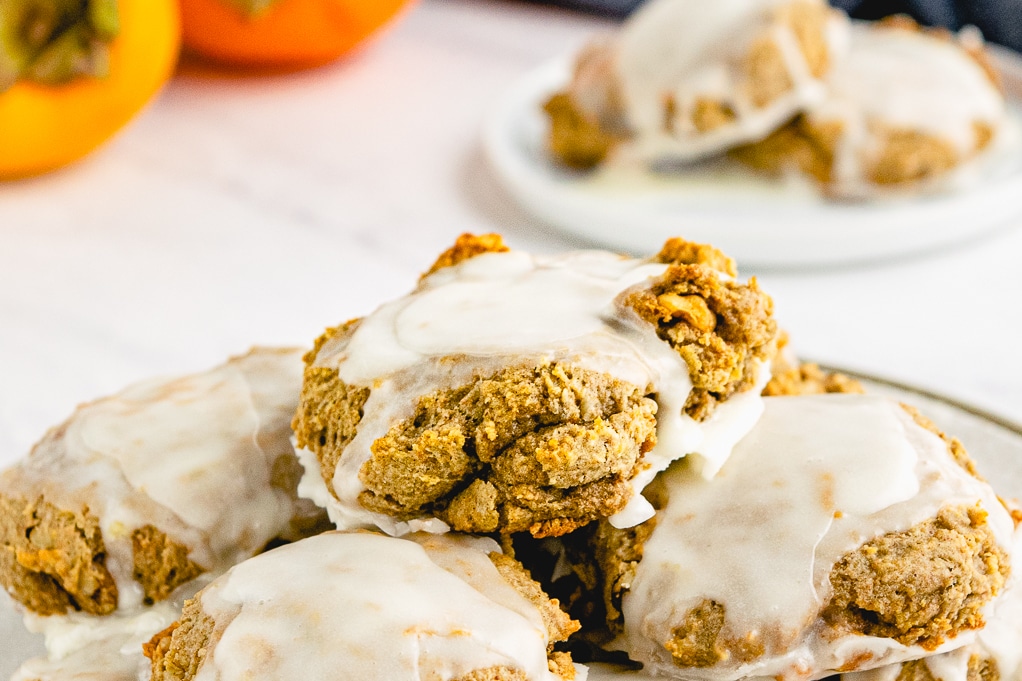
999	20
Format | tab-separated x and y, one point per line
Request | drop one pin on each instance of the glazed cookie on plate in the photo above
512	392
905	108
994	656
367	606
844	533
685	80
137	494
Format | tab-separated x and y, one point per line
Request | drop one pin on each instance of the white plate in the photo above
759	221
995	444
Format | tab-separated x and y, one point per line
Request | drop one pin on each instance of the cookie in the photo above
512	392
368	606
137	494
686	80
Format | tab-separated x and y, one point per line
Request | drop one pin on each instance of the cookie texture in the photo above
329	410
576	138
468	246
589	118
203	462
528	443
160	564
724	330
919	587
540	449
53	561
886	146
768	75
922	586
980	668
179	652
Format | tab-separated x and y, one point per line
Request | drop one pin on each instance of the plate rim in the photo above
1015	427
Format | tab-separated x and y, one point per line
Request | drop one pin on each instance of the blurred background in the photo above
247	208
999	20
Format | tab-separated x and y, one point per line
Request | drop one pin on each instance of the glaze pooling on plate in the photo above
88	648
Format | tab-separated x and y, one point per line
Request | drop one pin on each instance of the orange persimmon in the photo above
43	127
287	33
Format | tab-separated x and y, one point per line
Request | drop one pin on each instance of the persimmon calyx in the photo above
55	41
250	8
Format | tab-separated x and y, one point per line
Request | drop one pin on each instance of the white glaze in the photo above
193	456
694	50
817	477
367	606
900	79
1002	637
88	648
506	309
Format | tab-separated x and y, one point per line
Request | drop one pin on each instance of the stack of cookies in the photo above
788	87
527	464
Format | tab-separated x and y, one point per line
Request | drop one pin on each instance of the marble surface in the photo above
258	210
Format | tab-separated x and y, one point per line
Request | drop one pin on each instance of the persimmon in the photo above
76	73
281	33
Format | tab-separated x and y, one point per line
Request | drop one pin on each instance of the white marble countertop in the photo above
241	211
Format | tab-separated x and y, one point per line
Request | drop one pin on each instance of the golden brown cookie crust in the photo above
53	561
799	146
605	560
542	449
980	668
160	564
468	246
575	137
700	641
329	410
559	625
921	586
179	651
808	378
678	251
724	330
955	448
766	68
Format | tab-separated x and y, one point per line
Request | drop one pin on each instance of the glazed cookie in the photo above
138	494
903	109
843	533
684	80
995	656
512	392
369	607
